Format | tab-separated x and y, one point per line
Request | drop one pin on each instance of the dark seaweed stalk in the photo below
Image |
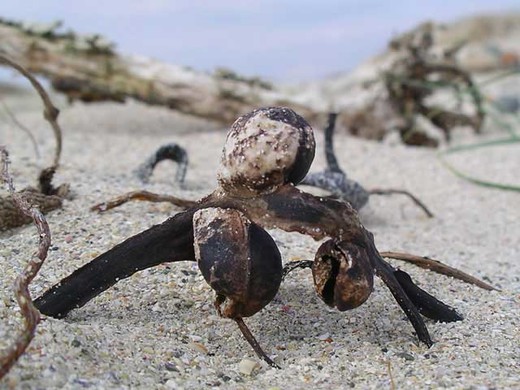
334	180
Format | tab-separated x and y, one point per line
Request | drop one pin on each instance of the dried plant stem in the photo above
50	113
390	375
252	341
403	192
21	286
142	195
17	123
100	74
335	180
437	266
292	265
50	197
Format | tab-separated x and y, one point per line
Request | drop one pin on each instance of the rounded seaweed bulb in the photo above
264	150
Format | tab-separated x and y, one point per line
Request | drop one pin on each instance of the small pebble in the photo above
198	347
247	366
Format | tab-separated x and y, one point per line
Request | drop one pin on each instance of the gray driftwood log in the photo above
87	68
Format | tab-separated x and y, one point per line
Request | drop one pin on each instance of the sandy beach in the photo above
159	329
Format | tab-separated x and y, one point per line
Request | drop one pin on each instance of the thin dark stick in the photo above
403	192
332	162
439	267
252	341
21	286
142	195
335	180
291	266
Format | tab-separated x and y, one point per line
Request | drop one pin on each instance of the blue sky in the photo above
278	40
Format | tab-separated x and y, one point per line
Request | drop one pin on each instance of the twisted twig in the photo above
21	285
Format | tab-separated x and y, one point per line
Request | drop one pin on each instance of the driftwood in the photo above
88	69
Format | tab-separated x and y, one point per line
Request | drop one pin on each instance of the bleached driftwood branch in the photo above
87	68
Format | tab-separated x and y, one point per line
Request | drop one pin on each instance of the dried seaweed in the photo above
334	180
29	312
416	75
46	197
172	152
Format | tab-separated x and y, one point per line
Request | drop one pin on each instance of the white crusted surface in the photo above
259	151
153	330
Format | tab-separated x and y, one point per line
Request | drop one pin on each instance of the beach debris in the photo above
247	366
46	197
332	179
417	74
267	153
89	69
142	195
31	316
27	205
14	120
172	152
335	180
420	92
10	214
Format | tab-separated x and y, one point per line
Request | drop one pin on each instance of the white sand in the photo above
153	329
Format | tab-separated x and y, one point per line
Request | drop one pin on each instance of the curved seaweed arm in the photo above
21	286
168	242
